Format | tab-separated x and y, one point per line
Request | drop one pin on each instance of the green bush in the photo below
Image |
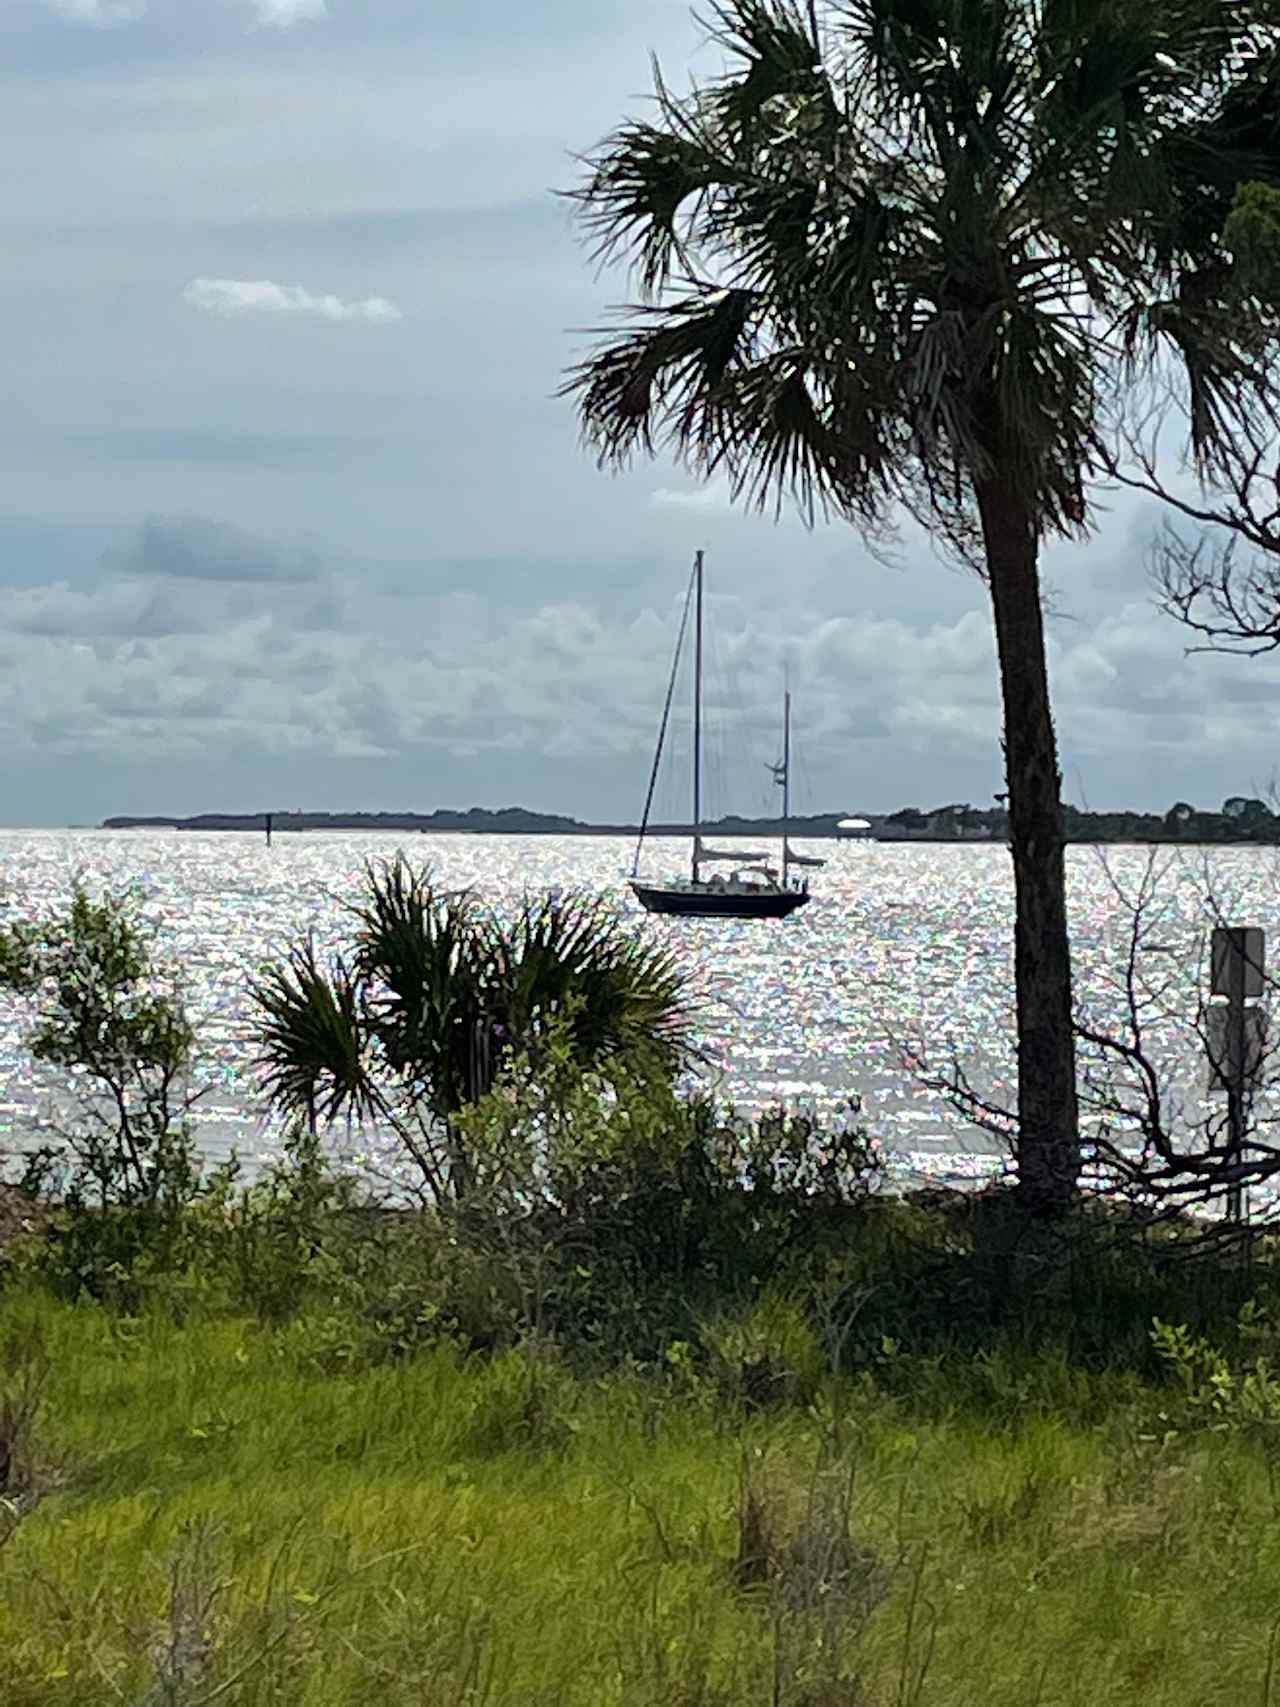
623	1213
1220	1394
438	994
123	1168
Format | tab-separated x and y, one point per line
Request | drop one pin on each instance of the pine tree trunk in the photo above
1048	1144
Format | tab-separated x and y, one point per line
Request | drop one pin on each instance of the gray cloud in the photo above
196	549
223	652
58	611
102	14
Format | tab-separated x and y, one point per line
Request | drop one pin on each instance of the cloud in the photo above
271	14
200	645
100	13
230	297
713	495
193	549
283	14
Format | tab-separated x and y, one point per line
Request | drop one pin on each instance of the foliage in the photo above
123	1167
604	1219
1252	233
1222	1394
276	1244
862	255
106	1015
1241	820
438	993
621	1209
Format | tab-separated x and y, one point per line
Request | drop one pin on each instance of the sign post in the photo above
1236	1035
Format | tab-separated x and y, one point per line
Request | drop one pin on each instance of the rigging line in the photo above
662	731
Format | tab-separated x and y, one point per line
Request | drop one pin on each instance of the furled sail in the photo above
737	856
794	858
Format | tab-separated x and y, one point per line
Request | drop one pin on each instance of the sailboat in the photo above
754	889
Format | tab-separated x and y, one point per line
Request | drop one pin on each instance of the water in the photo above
904	947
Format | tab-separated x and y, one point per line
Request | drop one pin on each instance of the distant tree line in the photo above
1241	818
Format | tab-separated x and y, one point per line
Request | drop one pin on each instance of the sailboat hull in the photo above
705	902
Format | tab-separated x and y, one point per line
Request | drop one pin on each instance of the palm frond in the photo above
776	72
785	430
312	1041
875	252
570	957
640	184
650	377
422	958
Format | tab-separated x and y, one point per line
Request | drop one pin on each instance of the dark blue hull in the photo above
708	903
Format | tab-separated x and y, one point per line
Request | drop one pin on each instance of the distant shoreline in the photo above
946	825
509	821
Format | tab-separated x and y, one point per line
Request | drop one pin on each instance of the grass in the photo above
674	1410
230	1521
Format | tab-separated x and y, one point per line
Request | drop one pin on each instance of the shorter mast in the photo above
697	713
782	776
786	783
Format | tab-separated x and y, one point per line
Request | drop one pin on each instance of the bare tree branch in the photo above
1201	577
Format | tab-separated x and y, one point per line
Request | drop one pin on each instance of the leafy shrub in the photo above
115	1022
624	1213
769	1354
274	1244
123	1166
1216	1394
421	1019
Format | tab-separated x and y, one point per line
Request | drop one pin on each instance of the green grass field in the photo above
645	1405
231	1521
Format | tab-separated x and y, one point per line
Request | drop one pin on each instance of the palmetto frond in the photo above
646	186
440	991
944	248
312	1040
670	369
619	994
422	959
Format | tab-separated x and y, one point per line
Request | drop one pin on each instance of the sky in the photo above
291	517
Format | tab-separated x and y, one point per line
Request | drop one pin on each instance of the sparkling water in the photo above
904	953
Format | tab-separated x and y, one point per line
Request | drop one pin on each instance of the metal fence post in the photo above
1235	1036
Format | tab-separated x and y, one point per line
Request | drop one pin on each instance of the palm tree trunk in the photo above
1048	1143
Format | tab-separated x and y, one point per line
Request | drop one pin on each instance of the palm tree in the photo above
931	253
414	1026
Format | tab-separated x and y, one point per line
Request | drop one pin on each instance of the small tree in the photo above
116	1025
415	1024
1247	811
1179	816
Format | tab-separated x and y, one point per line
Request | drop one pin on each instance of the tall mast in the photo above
662	728
786	781
697	710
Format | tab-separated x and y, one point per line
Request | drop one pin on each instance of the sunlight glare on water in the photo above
902	946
